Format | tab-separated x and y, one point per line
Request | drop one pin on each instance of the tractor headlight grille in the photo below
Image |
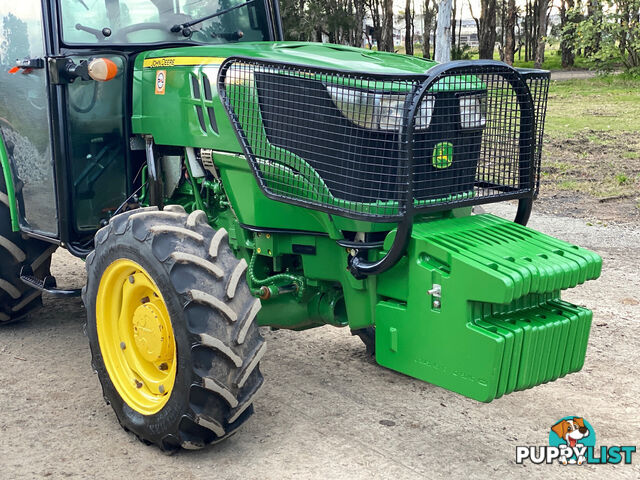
379	147
378	110
473	111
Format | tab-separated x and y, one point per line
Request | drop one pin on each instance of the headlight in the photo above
378	111
473	111
240	75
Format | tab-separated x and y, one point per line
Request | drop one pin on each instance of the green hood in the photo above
335	57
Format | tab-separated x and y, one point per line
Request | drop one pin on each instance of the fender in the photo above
8	179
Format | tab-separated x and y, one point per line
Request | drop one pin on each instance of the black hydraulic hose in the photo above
359	267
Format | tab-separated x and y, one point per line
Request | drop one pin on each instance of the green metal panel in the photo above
171	116
8	180
255	209
500	325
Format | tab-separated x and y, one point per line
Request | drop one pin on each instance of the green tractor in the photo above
216	179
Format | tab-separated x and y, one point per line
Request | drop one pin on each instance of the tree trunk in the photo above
510	32
443	33
567	24
594	11
408	28
542	33
435	37
527	31
387	26
453	25
487	29
427	21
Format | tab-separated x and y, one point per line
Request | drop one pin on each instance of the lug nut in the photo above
161	388
131	279
138	384
163	366
123	345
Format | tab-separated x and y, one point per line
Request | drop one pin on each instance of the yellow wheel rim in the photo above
136	337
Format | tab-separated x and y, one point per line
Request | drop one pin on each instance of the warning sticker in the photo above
161	81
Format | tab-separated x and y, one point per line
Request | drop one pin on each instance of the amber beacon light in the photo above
102	69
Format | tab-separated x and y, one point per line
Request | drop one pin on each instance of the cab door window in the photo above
24	115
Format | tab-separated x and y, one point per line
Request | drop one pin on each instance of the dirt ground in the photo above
327	411
593	175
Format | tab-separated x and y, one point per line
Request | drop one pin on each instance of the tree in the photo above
616	33
430	9
486	27
454	8
374	8
568	17
594	11
443	33
408	23
543	18
387	26
509	27
14	40
341	21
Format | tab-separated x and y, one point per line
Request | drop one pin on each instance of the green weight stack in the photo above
496	323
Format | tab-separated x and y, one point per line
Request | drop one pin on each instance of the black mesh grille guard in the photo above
384	147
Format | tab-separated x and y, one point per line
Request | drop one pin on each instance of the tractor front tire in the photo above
16	298
171	326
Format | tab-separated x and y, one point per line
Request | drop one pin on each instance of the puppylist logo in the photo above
572	441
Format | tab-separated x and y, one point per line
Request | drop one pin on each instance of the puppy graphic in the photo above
571	431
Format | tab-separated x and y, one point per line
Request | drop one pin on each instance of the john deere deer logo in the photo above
442	155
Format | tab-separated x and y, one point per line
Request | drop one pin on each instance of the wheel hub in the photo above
149	333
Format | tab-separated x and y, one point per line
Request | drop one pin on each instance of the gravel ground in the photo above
327	411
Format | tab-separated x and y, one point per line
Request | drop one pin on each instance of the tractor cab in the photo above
76	164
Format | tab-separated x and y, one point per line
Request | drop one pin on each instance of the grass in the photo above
601	104
569	185
592	137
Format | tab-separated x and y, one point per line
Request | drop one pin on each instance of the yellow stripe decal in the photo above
181	61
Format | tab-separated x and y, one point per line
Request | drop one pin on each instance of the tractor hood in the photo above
175	97
338	57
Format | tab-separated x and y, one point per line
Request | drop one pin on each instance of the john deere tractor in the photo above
216	179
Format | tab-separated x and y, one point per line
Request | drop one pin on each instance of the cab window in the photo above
151	21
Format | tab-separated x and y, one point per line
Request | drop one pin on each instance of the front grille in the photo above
376	146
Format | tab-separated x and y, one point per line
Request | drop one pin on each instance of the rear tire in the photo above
16	298
212	312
